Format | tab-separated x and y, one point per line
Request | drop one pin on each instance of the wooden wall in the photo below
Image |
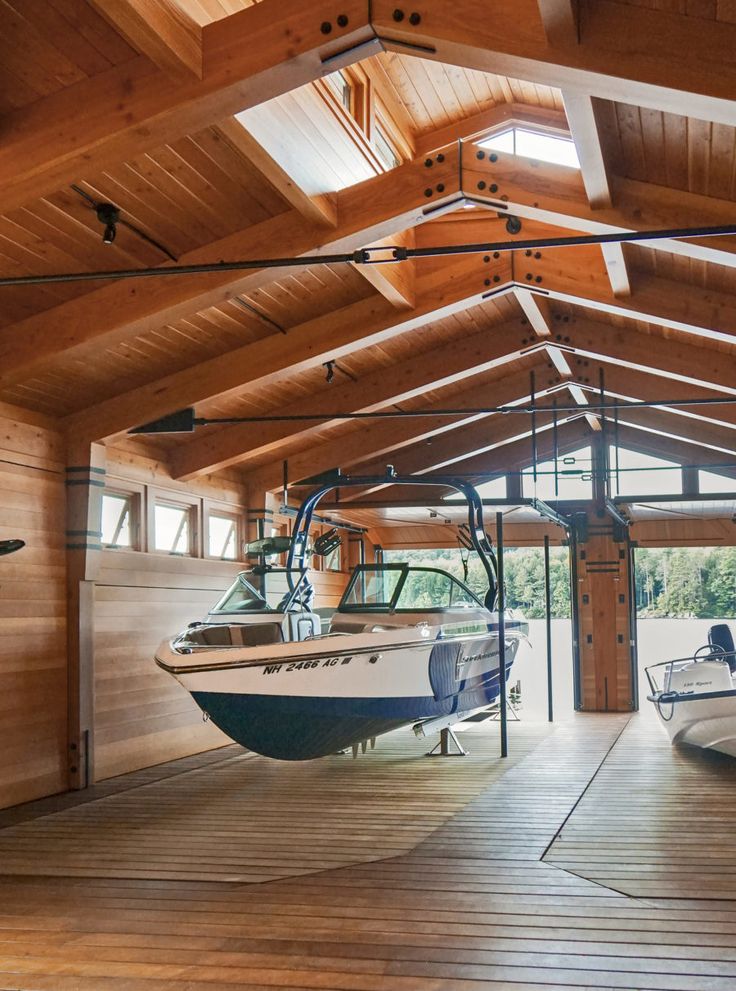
33	699
142	715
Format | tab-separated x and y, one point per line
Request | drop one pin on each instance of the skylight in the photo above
533	144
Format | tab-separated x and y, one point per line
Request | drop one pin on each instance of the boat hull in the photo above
312	705
706	722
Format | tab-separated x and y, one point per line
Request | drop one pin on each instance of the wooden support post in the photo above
601	615
85	482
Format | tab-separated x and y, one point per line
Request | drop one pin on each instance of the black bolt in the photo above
567	340
496	278
342	20
565	319
537	254
325	27
529	276
558	337
441	187
480	155
73	769
524	321
427	192
493	157
528	253
398	15
549	365
550	381
415	18
524	339
428	163
486	282
538	278
496	254
72	746
440	157
493	187
486	258
481	185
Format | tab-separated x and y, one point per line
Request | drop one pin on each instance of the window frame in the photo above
176	500
133	498
214	509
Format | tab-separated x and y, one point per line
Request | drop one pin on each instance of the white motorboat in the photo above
695	697
405	644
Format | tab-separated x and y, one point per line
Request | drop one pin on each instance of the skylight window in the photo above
533	144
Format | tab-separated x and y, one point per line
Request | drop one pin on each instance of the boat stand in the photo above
442	747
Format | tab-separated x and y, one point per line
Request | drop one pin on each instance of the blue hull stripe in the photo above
301	728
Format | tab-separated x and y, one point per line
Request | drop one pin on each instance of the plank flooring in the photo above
468	904
661	826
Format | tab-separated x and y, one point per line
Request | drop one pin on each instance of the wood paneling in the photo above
33	677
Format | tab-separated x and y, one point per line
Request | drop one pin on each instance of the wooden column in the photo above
602	618
85	482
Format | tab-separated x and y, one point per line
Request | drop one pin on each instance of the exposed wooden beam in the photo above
556	195
633	350
393	436
580	113
366	212
320	210
560	21
437	368
652	386
636	438
248	57
159	29
394	281
277	45
536	309
578	276
369	321
679	70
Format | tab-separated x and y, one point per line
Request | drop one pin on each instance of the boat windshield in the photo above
400	588
265	590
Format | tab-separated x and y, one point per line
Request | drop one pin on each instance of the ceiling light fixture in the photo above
108	215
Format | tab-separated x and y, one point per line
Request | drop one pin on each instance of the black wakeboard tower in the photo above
478	537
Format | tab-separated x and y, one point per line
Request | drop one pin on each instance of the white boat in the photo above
405	644
695	697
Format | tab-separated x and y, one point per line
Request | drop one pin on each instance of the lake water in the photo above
659	640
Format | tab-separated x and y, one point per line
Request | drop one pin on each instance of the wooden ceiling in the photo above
134	105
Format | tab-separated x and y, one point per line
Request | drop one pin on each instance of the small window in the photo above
117	516
333	561
534	144
223	535
172	525
385	150
340	86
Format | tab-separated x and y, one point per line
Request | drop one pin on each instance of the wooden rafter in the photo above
159	29
377	439
369	321
440	367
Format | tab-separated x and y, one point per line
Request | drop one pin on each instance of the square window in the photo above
222	537
172	528
117	519
340	86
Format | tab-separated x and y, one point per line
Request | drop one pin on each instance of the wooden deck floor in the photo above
462	897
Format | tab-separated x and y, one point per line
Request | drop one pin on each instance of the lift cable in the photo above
374	256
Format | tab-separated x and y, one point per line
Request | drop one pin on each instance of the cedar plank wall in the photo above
142	715
33	717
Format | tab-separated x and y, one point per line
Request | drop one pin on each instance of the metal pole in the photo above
532	389
501	637
548	614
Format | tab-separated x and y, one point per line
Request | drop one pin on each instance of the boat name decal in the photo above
463	661
329	662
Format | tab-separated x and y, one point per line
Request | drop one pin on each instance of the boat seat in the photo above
720	635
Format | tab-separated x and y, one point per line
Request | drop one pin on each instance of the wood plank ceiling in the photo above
283	181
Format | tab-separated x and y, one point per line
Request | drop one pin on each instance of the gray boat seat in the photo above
720	635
